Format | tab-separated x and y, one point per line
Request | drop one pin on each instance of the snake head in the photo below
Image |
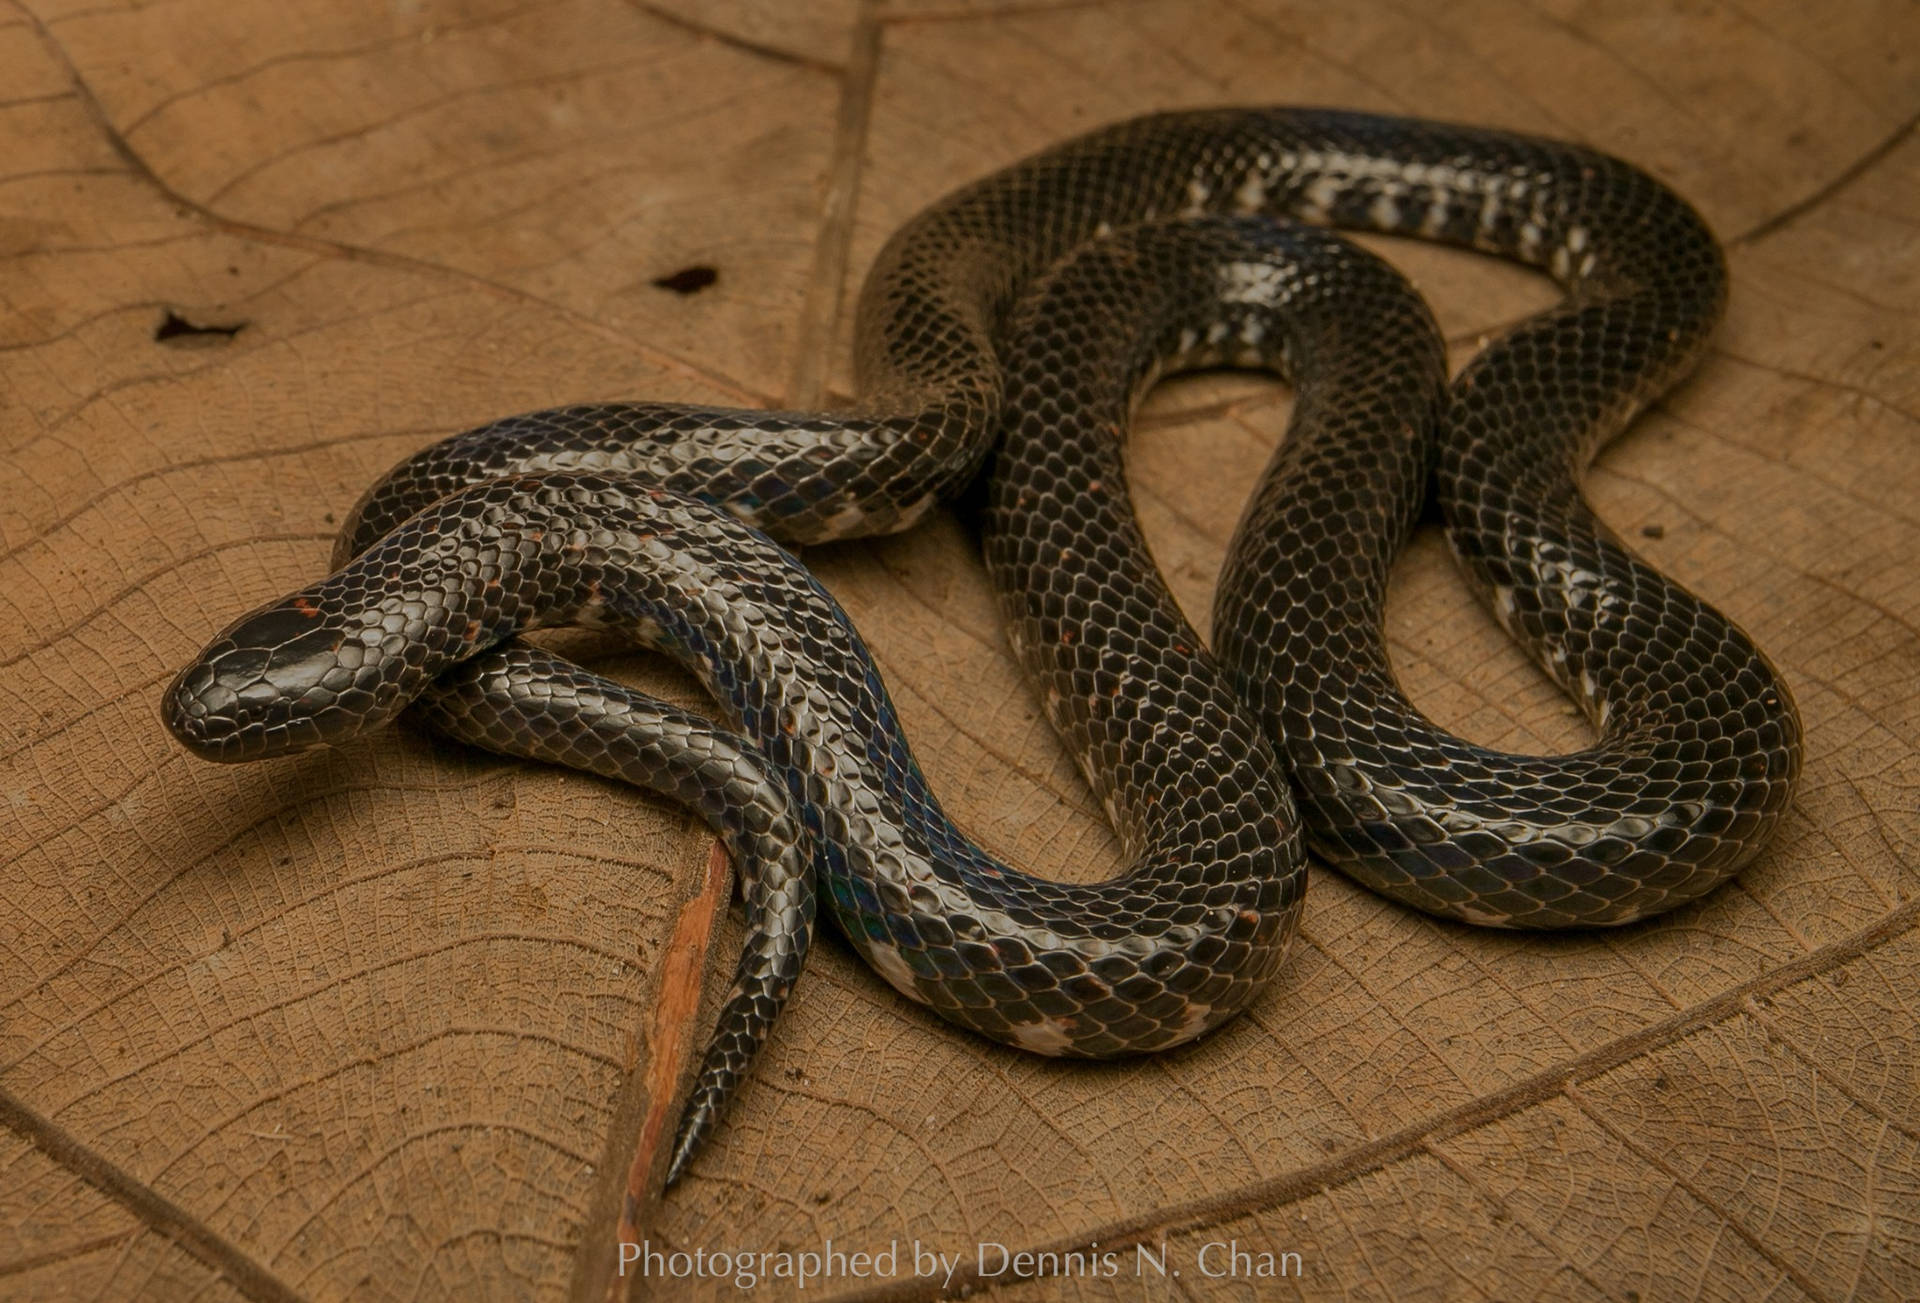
282	679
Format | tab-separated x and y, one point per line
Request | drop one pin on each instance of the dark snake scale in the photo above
1035	306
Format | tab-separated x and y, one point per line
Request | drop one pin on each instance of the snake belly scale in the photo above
603	512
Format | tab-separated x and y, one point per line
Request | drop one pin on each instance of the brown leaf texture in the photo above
375	1022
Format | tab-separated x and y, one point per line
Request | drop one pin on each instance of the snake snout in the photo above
277	682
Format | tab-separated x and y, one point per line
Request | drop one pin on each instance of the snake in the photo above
1016	322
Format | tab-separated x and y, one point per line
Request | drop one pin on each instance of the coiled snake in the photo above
603	513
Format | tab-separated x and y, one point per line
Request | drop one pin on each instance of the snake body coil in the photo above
577	512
